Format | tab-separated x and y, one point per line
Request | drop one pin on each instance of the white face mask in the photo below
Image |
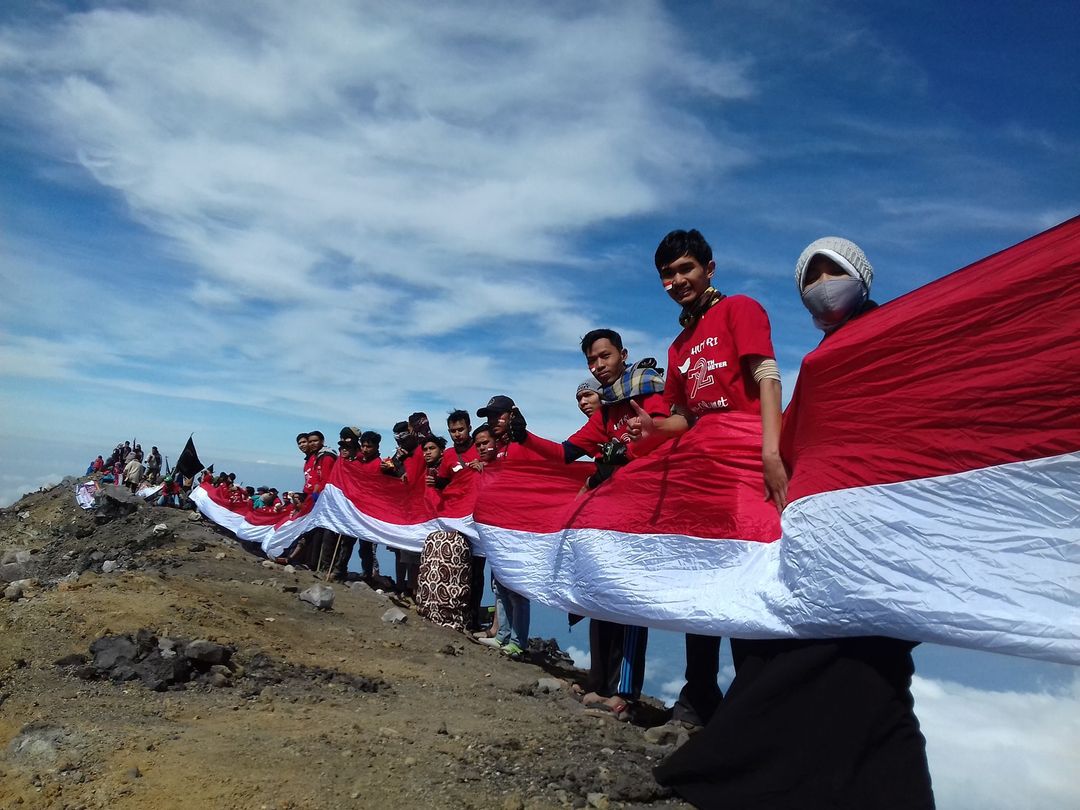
834	301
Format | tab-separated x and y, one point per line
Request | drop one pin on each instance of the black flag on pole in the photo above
188	464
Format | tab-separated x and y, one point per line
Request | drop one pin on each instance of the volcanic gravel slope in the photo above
313	709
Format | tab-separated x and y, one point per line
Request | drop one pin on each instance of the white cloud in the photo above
387	181
990	750
13	487
581	658
669	690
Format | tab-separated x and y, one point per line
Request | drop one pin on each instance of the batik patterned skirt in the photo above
442	592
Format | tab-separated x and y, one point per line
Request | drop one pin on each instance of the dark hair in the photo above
401	427
370	437
300	436
458	416
482	429
319	434
420	423
683	243
601	334
439	440
250	491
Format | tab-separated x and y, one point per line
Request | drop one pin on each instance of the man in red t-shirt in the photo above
462	451
367	458
722	363
617	652
318	463
457	479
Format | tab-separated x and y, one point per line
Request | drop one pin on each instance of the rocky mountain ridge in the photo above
148	660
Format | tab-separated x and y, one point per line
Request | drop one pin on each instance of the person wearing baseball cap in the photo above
512	610
497	405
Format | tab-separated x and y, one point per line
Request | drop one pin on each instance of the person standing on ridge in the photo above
722	377
813	723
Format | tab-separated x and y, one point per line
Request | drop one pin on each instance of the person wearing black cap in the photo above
406	563
349	443
513	610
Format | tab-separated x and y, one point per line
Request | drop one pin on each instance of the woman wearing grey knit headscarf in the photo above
833	277
813	723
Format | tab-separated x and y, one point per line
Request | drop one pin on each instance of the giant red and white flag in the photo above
935	452
268	529
935	492
358	501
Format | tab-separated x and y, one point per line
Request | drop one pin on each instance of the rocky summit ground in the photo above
147	660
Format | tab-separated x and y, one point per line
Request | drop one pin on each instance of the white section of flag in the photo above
988	559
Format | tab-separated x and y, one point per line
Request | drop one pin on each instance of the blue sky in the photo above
242	220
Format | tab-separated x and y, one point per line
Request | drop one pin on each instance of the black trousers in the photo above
810	724
407	564
340	562
701	694
367	559
617	653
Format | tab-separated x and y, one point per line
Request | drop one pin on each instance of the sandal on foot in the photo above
620	711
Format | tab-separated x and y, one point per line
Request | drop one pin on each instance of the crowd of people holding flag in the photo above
675	521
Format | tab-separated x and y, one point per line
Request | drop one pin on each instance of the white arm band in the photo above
767	370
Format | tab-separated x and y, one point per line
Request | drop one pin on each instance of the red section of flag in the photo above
533	495
977	369
384	497
458	498
707	483
255	518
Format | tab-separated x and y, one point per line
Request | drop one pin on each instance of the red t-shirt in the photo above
373	466
454	462
706	372
518	451
609	422
317	471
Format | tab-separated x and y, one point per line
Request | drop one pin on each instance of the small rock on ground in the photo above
321	596
549	685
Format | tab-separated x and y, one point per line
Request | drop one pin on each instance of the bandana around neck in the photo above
692	314
641	378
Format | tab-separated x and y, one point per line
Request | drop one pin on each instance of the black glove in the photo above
517	427
613	453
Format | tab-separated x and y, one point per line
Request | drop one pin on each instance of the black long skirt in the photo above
810	724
